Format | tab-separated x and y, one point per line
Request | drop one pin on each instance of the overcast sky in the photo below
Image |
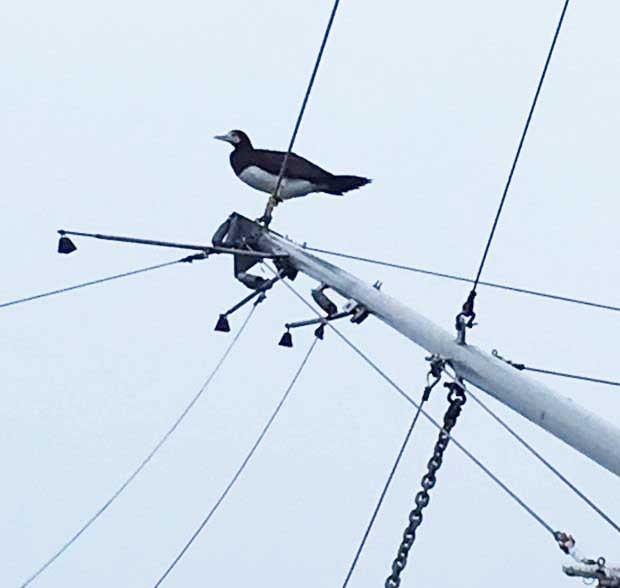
109	112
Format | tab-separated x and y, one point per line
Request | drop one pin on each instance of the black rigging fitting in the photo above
65	245
465	318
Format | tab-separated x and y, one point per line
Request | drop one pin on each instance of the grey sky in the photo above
110	109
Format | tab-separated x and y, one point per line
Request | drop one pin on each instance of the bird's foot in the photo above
264	220
271	204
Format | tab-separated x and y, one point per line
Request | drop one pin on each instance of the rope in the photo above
304	103
522	140
383	493
100	281
239	471
147	459
463	279
538	456
408	398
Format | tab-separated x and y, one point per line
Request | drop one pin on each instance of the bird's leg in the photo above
271	204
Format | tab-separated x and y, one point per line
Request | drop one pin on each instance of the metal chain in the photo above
456	398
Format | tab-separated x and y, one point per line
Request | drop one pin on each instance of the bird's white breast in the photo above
259	179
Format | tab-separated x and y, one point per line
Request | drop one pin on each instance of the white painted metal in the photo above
608	577
578	427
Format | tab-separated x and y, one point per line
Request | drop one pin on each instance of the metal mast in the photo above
581	429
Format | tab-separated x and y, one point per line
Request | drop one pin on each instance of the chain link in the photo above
456	398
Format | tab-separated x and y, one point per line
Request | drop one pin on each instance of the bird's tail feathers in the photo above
338	185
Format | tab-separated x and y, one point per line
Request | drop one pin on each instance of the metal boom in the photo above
581	429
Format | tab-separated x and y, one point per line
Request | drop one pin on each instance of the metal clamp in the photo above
465	318
518	366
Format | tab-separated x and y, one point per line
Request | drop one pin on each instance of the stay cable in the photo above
520	146
526	507
106	505
240	469
143	270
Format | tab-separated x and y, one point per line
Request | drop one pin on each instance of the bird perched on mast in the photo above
260	169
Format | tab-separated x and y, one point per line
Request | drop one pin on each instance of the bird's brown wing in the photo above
296	167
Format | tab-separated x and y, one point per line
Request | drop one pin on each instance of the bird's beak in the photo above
226	138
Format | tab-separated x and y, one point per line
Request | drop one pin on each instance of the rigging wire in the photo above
240	469
520	146
143	270
522	367
538	518
572	376
150	455
536	454
519	366
304	103
462	279
388	482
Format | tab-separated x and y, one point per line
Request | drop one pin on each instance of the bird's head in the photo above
236	138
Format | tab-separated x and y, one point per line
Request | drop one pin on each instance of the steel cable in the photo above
538	456
148	458
388	482
93	282
572	376
240	469
538	518
304	103
520	146
463	279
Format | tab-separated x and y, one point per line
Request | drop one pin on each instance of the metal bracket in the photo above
518	366
595	570
465	318
260	295
606	577
437	365
319	296
357	312
241	234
